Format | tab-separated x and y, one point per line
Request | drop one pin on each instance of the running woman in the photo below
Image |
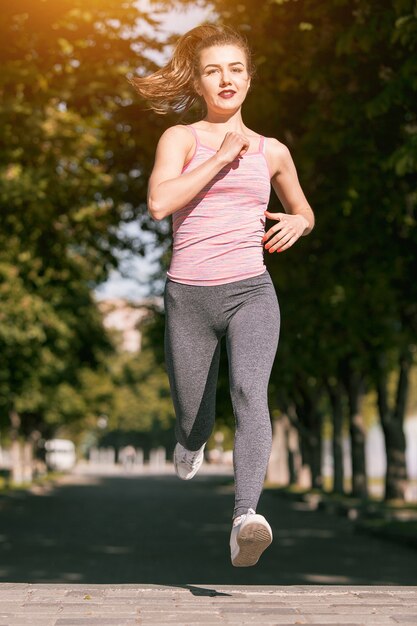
214	178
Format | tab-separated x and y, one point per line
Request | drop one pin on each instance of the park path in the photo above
120	549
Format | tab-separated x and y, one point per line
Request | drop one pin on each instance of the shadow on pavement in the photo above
201	591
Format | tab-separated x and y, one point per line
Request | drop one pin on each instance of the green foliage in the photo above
336	83
142	397
68	178
130	388
345	109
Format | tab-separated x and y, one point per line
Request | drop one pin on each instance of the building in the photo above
126	318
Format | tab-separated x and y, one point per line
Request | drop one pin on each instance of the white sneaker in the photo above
251	535
187	462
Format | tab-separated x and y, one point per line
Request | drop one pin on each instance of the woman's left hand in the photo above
290	227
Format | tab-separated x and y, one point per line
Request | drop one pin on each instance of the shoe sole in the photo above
253	539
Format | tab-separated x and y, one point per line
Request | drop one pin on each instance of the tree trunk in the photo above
311	418
293	448
15	449
315	443
285	461
355	390
335	395
27	461
304	478
392	422
396	475
297	434
277	471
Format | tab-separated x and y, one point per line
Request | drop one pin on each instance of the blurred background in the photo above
82	264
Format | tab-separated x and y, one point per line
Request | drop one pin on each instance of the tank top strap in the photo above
194	132
262	144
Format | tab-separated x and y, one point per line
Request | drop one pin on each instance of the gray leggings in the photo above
196	318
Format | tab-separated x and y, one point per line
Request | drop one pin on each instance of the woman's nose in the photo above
225	79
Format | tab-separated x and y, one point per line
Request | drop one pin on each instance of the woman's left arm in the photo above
298	220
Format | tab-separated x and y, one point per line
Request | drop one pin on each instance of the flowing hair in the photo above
171	88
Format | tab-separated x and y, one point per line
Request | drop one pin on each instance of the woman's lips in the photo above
227	94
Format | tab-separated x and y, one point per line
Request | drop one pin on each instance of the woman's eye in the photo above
234	69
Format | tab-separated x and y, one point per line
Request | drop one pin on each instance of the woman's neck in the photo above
218	122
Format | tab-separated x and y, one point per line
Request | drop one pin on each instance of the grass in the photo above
400	531
394	520
7	485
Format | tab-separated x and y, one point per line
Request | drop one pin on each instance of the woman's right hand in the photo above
233	145
171	187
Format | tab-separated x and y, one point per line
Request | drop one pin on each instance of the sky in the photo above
134	283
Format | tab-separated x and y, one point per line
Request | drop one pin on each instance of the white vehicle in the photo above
60	454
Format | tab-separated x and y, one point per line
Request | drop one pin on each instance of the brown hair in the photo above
171	88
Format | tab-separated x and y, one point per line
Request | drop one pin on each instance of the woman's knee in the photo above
249	393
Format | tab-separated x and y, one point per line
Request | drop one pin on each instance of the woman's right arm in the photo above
168	189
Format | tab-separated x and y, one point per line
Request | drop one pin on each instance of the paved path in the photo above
189	605
161	530
119	550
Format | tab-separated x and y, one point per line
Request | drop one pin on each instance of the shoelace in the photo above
190	460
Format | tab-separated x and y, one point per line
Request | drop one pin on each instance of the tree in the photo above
70	176
334	83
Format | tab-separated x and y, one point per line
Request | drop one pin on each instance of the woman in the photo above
214	177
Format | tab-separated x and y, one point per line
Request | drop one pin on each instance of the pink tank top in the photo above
217	237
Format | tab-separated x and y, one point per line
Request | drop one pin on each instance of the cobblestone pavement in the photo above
188	605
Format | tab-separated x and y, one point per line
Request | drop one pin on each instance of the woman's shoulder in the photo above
176	131
277	151
276	147
178	136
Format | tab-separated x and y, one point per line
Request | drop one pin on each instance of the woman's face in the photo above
223	81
